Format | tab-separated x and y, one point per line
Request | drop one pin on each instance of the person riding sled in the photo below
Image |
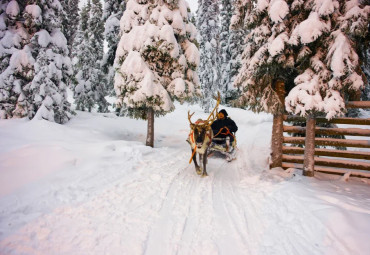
223	129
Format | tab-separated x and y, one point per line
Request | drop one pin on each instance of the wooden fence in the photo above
309	158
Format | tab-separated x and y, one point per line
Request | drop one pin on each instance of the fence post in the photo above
309	152
277	129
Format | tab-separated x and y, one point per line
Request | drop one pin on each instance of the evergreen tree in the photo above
90	81
225	14
98	79
52	64
231	48
113	11
261	62
308	41
334	67
82	63
156	59
34	61
70	21
209	40
16	60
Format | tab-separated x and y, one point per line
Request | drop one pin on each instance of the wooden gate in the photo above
334	161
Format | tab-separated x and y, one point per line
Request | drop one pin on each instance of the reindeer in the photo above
200	138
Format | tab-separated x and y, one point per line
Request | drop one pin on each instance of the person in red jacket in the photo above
223	127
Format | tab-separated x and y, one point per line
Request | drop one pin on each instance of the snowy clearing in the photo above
92	187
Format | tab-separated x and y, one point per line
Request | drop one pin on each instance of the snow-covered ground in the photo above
92	187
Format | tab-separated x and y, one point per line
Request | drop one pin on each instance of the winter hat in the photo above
223	111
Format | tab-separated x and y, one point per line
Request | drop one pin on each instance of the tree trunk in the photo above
309	152
277	141
277	128
150	134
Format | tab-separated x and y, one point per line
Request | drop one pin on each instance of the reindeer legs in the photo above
203	160
197	167
200	169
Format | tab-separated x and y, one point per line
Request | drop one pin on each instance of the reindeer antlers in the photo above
212	117
189	117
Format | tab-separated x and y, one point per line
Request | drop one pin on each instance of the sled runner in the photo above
224	147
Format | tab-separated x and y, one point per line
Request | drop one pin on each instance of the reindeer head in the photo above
201	132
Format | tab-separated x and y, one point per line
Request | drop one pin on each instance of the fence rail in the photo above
329	131
310	158
343	120
329	153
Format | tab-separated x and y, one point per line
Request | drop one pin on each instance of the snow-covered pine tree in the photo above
70	21
315	38
112	13
16	61
156	59
231	48
208	25
330	67
89	79
225	55
81	63
98	79
52	63
266	56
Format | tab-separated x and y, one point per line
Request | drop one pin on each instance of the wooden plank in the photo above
343	120
330	162
329	153
358	104
329	170
329	131
330	142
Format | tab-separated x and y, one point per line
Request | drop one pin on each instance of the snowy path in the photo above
114	196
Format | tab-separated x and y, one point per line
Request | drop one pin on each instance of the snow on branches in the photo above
311	45
156	57
209	40
34	64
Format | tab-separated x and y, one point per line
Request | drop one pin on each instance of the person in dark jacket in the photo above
224	126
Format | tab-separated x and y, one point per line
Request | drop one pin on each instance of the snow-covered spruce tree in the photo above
16	61
208	25
225	55
70	21
314	38
266	56
112	13
98	79
156	59
52	63
333	69
82	63
90	82
231	48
